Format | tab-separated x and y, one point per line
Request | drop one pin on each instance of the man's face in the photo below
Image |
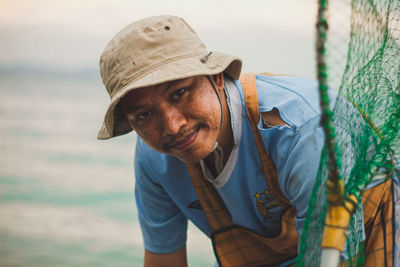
179	118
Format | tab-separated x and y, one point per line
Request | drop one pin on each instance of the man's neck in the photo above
225	139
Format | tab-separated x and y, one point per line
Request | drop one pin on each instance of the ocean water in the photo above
67	199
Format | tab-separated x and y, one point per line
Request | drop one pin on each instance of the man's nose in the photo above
173	120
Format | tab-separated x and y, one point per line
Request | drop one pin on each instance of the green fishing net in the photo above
358	55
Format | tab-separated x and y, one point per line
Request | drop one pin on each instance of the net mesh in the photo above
363	62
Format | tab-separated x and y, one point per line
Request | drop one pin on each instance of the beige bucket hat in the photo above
153	51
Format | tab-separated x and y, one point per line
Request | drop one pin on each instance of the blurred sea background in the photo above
67	199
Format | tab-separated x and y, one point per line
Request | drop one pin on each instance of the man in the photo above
188	108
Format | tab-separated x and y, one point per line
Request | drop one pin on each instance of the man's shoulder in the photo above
274	90
296	98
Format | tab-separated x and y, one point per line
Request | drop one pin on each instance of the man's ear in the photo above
219	81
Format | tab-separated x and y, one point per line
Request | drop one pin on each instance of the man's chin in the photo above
192	159
189	160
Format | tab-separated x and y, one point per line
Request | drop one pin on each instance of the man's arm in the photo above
162	223
176	259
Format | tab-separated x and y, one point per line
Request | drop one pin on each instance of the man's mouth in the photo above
186	141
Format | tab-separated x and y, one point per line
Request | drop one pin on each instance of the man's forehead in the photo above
177	83
163	87
166	85
136	96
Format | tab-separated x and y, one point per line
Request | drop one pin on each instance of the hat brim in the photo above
115	124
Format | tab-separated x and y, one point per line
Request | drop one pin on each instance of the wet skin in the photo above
180	118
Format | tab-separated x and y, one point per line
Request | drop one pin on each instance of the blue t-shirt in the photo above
165	196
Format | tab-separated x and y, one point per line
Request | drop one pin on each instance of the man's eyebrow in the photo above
131	109
167	87
179	84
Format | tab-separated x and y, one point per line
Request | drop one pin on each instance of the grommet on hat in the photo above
152	51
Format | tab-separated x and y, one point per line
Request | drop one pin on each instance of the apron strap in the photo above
213	206
271	176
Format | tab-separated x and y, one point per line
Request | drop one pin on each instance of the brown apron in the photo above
378	218
236	246
378	221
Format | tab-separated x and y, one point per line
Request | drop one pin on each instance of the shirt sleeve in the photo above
162	223
298	173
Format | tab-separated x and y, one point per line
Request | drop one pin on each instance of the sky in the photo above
268	35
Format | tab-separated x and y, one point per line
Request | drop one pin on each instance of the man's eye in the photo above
178	93
143	115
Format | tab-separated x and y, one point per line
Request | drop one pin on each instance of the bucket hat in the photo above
153	51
